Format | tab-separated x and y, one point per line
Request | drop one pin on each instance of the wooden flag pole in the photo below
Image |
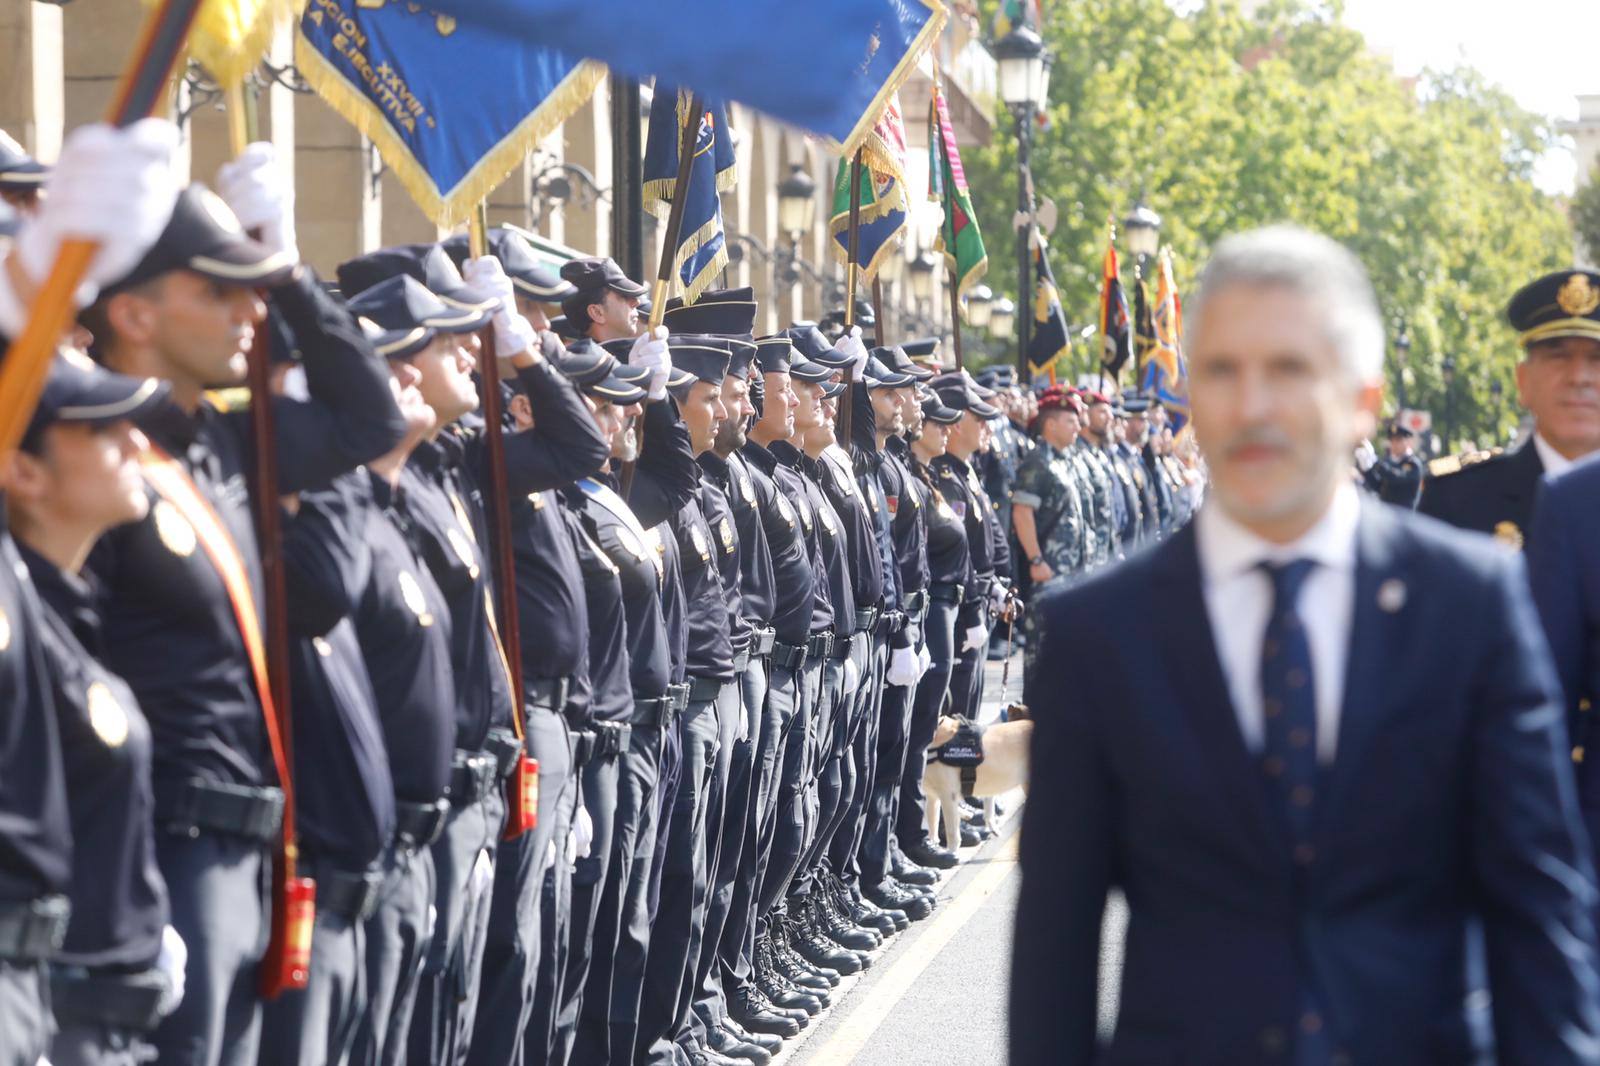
142	89
847	409
669	247
877	311
955	319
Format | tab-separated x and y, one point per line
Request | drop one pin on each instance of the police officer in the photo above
1397	476
1557	319
22	177
119	969
1048	512
605	303
1107	503
1154	495
949	577
173	612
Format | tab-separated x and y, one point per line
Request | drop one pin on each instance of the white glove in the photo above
850	344
582	832
512	332
172	960
924	661
997	597
650	349
1366	457
977	639
258	188
114	187
902	671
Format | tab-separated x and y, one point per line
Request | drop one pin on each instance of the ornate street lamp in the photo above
1024	76
797	202
980	306
1002	315
921	269
1141	233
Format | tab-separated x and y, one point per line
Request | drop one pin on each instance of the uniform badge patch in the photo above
174	529
1578	296
411	592
106	716
827	522
630	543
1508	534
746	487
784	510
463	549
699	538
960	508
725	531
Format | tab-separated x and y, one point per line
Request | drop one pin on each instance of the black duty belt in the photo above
582	747
33	930
916	602
889	623
842	646
763	641
473	775
654	710
985	583
704	689
547	692
611	738
189	808
503	747
867	617
791	657
417	825
820	646
128	1001
350	894
680	696
947	592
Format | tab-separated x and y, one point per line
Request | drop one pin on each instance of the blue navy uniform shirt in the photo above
959	484
552	618
837	480
710	642
345	793
869	465
757	595
666	479
641	573
607	672
828	574
170	628
789	552
119	899
907	499
832	540
725	549
403	624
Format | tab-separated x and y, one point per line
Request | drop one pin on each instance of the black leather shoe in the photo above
765	1041
751	1010
784	954
836	927
699	1056
821	951
926	853
889	894
865	912
782	994
724	1042
913	874
793	969
970	837
929	894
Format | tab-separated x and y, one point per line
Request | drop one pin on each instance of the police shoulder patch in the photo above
725	531
106	716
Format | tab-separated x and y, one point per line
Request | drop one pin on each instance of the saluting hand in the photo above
257	186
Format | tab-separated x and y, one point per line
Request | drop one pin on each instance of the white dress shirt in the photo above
1239	603
1554	462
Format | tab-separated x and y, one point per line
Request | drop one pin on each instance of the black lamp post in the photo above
1447	374
1024	70
1141	234
1497	391
1402	364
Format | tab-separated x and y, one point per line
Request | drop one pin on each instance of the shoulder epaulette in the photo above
1446	465
1474	458
232	399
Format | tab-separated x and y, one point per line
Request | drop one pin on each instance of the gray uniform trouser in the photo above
589	878
316	1025
24	1013
839	688
894	726
938	634
863	760
679	927
447	994
795	813
397	934
217	888
514	943
609	1022
778	714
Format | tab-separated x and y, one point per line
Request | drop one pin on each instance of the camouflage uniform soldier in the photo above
1048	511
1098	487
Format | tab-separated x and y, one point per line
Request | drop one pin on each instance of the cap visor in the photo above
834	388
833	359
810	371
548	294
627	287
983	410
115	398
401	343
460	320
242	261
679	378
616	390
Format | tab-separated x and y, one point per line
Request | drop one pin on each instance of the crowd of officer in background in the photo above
737	629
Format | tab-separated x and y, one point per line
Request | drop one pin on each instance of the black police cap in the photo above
19	171
773	354
204	236
1563	304
934	410
78	390
597	372
721	312
590	273
741	354
803	369
704	356
833	389
529	275
621	347
428	263
814	346
962	397
877	375
402	304
901	361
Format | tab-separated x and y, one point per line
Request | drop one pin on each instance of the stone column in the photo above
338	203
32	100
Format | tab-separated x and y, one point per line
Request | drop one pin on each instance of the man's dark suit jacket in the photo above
1564	563
1448	801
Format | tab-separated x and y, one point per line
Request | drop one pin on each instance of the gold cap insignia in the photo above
106	716
1508	534
411	592
173	529
1578	297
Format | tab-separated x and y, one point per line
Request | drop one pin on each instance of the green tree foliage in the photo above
1225	122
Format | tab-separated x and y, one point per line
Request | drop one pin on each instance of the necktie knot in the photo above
1287	580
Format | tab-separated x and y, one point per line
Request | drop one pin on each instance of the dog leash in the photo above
1005	668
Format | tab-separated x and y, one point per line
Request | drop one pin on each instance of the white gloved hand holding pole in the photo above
650	350
513	333
257	186
115	187
172	961
902	670
977	639
1366	456
851	344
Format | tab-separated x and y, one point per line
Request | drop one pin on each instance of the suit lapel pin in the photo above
1392	595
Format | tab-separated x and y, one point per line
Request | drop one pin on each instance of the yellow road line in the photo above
865	1018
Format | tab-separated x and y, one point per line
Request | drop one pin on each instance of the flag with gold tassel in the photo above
702	244
1166	373
882	194
1049	339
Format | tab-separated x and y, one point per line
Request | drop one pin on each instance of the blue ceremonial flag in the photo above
828	66
702	247
453	106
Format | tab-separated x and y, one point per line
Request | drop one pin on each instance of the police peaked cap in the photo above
803	369
773	354
721	312
961	397
621	347
934	410
703	356
877	374
204	236
528	274
591	273
903	363
428	263
402	305
597	372
19	171
814	346
742	352
1563	304
81	391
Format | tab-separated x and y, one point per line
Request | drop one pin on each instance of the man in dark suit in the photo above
1307	794
1557	319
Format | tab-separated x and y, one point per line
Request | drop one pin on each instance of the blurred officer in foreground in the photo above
1557	319
1275	865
